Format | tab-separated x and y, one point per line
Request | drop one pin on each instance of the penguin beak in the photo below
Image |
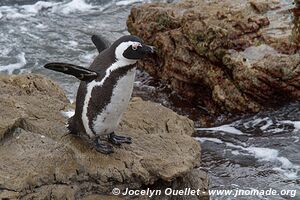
148	49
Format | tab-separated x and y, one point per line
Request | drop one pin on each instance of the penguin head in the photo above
131	48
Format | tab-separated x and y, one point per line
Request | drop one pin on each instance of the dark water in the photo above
256	152
260	151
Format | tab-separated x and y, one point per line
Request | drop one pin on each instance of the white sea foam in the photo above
269	122
275	130
23	29
296	124
128	2
254	122
257	121
38	6
229	144
73	6
14	12
41	26
289	169
227	128
25	71
203	139
65	7
11	67
87	57
5	51
16	15
68	113
234	152
265	154
73	43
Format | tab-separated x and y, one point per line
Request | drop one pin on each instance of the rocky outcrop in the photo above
228	56
40	160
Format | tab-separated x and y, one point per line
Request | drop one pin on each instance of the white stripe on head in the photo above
122	47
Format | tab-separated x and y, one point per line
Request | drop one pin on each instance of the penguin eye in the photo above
135	46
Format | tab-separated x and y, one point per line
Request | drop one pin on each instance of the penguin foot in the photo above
103	148
118	139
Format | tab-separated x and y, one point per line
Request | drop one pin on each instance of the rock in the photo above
196	179
40	160
262	6
23	97
228	56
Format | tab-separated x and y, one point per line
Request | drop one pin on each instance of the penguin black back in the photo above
100	42
105	89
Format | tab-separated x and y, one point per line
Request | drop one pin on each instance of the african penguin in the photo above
100	42
105	89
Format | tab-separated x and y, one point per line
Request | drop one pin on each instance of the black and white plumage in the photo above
100	42
105	89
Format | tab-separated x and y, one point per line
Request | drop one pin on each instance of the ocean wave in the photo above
129	2
73	6
10	68
262	154
296	124
24	11
65	8
38	6
227	128
11	12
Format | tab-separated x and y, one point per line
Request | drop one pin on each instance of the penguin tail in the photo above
100	42
79	72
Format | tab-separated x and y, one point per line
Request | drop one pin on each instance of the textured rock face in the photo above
236	56
39	160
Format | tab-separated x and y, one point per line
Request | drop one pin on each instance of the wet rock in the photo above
272	75
40	160
262	6
228	56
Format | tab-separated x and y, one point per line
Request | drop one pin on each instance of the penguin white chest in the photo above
107	121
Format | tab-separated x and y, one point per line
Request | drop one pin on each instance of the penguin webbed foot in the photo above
102	147
118	139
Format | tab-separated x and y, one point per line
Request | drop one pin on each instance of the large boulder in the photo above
40	160
228	56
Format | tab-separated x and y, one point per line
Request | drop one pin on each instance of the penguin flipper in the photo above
100	42
79	72
70	126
